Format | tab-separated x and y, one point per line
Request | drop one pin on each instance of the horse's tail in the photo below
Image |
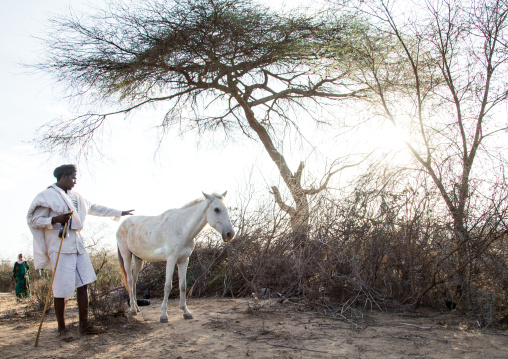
123	272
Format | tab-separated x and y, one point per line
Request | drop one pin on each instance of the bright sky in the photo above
131	178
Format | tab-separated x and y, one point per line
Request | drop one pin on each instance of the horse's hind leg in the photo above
182	274
170	268
138	264
127	262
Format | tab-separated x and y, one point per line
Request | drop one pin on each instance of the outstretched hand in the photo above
127	213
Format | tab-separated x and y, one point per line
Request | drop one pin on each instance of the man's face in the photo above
68	180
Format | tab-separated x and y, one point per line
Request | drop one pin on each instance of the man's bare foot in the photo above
91	329
65	335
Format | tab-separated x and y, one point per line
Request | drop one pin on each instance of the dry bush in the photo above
107	296
153	277
6	280
39	288
392	249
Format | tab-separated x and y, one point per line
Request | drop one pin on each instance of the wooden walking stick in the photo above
51	284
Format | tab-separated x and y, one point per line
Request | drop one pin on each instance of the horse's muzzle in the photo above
228	236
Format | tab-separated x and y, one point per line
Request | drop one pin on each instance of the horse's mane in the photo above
192	203
199	200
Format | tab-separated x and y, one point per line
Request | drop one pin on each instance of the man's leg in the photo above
84	326
82	297
60	313
63	287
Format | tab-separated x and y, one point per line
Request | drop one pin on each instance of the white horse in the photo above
168	237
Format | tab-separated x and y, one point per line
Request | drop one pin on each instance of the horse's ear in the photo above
224	194
207	196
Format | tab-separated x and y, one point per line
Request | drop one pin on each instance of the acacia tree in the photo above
248	66
438	70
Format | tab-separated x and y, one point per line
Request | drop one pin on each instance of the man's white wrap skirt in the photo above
74	270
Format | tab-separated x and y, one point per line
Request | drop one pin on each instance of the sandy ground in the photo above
245	328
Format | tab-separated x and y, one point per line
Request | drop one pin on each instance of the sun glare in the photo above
385	139
390	137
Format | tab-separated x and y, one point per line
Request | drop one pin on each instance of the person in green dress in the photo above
20	274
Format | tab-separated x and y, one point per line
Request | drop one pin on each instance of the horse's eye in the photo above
217	210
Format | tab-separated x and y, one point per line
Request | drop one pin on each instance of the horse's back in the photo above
140	235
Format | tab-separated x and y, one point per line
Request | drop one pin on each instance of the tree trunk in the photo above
299	214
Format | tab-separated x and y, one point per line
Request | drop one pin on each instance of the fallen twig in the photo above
296	348
416	326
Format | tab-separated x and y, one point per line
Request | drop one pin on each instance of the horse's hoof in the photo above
187	316
134	313
164	320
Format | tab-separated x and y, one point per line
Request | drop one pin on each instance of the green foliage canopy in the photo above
175	51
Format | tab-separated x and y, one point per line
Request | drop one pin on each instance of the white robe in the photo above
50	203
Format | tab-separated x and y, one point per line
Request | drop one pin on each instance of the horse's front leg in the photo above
182	274
170	267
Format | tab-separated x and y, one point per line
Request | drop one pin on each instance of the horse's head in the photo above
218	217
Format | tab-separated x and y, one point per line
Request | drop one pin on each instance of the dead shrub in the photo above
39	288
6	280
107	296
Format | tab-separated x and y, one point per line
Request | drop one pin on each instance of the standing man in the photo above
49	212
